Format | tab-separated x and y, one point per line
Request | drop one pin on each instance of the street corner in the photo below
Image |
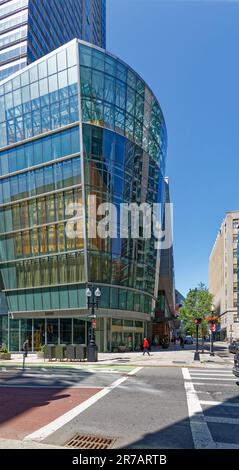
23	410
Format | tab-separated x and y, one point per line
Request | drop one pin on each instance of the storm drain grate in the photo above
82	441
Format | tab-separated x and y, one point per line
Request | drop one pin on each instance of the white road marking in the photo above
218	403
212	374
211	384
50	428
213	378
226	445
202	437
227	369
221	420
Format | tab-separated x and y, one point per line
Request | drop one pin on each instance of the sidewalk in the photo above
173	357
14	444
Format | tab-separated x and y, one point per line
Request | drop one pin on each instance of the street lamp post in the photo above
93	298
197	322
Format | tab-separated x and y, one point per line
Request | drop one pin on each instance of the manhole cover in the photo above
82	441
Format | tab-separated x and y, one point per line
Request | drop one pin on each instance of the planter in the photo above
122	348
5	356
40	354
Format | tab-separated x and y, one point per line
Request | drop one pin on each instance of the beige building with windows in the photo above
223	268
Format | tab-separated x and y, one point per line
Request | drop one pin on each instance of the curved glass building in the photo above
77	123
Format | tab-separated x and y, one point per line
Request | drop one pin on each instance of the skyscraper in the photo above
78	122
29	29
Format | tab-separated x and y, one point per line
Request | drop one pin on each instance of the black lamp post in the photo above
93	298
197	322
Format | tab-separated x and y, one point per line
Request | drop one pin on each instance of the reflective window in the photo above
42	104
116	90
52	331
65	330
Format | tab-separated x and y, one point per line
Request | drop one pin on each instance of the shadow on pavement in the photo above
181	432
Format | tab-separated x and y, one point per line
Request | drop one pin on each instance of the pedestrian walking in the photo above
25	347
146	346
181	342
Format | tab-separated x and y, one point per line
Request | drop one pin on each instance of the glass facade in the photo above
77	123
13	36
30	29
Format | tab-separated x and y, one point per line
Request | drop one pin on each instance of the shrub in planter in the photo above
40	354
4	354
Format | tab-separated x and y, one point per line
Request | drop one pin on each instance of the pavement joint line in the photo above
59	422
201	434
219	403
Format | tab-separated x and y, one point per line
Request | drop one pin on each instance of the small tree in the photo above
198	304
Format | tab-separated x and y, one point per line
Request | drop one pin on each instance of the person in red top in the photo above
146	346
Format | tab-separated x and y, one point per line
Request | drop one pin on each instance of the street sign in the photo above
212	328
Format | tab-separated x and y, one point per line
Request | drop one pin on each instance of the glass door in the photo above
52	331
39	334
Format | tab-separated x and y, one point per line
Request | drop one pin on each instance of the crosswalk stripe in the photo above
212	375
219	403
224	369
211	384
221	420
214	378
226	445
201	435
199	421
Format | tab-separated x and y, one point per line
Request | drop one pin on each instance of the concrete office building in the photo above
30	29
223	275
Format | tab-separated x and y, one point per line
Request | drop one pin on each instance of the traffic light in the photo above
197	321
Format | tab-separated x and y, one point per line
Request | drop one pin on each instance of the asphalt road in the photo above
154	408
148	410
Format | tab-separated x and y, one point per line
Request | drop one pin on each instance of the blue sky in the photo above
188	52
